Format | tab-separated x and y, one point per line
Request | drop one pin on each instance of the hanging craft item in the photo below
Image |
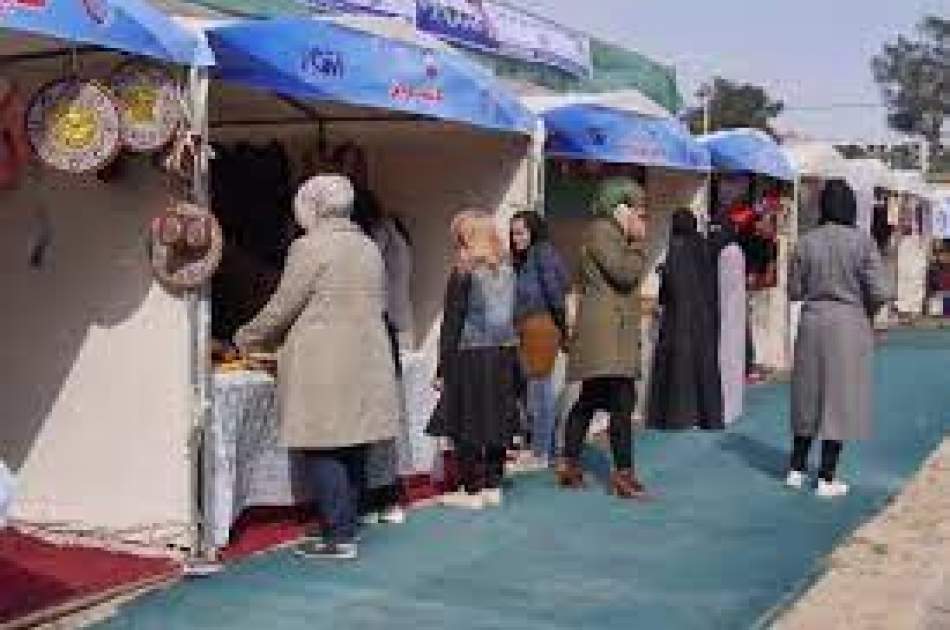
149	107
14	146
186	245
74	126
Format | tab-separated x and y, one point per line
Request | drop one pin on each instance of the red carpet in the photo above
35	575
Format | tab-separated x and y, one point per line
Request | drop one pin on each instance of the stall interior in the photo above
938	278
420	172
759	210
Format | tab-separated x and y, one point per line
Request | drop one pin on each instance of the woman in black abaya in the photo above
685	390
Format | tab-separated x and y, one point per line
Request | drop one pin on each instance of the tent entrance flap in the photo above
316	60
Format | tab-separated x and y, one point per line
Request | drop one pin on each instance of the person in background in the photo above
729	263
478	362
605	348
837	273
381	498
685	387
542	285
335	382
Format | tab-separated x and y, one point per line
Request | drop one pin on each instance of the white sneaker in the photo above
393	515
795	480
370	518
831	489
462	499
491	497
325	551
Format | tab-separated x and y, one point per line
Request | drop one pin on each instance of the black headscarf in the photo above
537	227
684	223
838	204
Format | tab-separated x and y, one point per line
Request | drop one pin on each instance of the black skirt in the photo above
479	401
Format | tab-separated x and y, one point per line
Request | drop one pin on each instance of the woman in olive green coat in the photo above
605	347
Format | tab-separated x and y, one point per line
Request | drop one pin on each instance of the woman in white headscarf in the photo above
336	381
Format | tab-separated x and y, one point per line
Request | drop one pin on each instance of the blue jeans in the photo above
542	409
338	477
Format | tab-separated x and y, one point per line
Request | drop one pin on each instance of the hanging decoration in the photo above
186	245
14	145
149	106
74	126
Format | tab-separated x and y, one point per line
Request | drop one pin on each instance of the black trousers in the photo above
480	467
616	395
830	453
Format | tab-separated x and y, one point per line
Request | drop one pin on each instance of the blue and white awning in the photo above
594	132
748	151
133	26
320	60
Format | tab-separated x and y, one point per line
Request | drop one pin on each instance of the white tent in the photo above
865	175
817	159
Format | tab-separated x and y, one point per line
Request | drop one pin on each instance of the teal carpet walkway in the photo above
725	544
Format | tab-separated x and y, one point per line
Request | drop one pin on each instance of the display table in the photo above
245	465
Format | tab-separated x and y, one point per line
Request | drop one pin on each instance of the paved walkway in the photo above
725	546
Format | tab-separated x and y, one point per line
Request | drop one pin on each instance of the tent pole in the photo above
536	166
200	560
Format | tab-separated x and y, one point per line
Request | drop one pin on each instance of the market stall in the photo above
99	407
438	134
913	236
938	259
879	207
588	141
814	163
752	188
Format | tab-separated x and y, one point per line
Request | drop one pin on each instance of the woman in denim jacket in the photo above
542	285
478	362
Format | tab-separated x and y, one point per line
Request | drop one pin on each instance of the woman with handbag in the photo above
539	314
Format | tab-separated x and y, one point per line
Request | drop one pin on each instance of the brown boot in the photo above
624	484
569	474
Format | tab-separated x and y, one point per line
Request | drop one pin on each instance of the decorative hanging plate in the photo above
148	105
186	246
74	125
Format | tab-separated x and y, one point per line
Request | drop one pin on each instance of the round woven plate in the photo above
179	271
74	126
148	105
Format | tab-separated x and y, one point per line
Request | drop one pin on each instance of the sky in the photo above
807	53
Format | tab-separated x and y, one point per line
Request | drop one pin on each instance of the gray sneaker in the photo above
327	551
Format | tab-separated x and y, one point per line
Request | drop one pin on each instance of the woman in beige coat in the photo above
336	381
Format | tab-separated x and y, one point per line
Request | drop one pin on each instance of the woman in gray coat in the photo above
837	274
336	380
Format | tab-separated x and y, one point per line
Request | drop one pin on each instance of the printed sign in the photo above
478	24
463	21
535	39
405	9
320	62
9	6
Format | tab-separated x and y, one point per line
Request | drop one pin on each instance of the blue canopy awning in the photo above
133	26
319	60
748	151
594	132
